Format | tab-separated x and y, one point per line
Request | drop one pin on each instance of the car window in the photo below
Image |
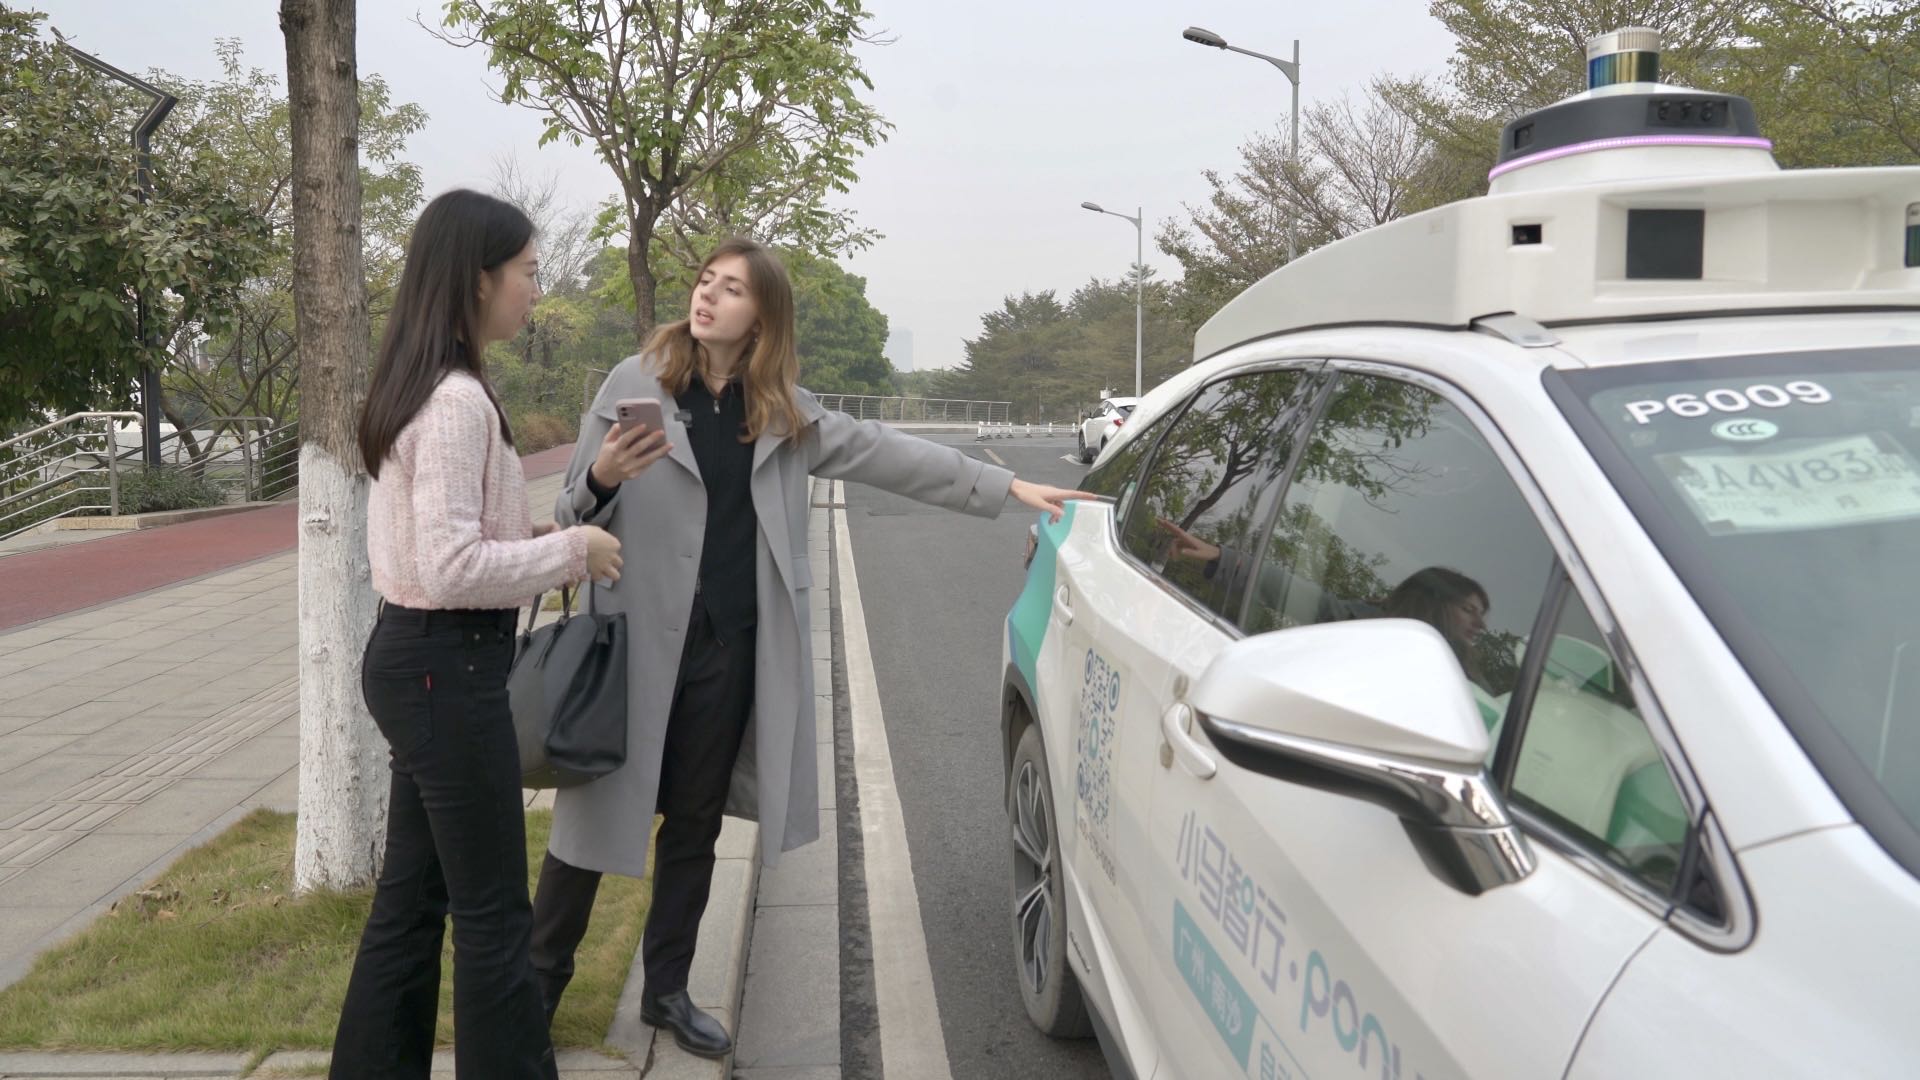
1200	492
1400	508
1113	477
1587	763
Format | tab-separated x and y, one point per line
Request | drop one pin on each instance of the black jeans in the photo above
436	683
712	701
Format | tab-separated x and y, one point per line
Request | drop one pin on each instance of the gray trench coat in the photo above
660	519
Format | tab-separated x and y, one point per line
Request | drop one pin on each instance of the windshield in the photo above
1785	490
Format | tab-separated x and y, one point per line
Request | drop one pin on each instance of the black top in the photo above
727	576
728	579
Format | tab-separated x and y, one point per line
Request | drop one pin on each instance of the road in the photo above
936	588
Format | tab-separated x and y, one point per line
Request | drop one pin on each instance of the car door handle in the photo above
1174	725
1061	607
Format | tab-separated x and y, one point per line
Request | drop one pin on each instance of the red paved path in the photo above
41	584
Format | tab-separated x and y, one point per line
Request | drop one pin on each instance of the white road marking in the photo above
997	459
911	1041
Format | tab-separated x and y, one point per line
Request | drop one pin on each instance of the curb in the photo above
154	519
719	966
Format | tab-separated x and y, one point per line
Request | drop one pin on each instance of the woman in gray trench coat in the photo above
712	519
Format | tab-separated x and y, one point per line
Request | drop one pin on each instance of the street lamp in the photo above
1289	68
1139	278
162	104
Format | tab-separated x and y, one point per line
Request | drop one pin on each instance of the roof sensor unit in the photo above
1666	130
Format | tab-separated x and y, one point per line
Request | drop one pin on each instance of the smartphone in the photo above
644	410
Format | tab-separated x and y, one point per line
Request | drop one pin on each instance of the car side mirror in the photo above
1378	710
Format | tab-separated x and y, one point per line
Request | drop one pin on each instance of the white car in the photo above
1439	691
1095	431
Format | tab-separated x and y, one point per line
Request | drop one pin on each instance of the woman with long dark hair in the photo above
453	553
720	692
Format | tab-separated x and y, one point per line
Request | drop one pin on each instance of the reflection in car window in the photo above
1588	764
1399	508
1201	490
1113	476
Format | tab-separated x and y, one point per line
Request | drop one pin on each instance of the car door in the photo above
1296	932
1141	622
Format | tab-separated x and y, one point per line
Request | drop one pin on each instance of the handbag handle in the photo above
566	606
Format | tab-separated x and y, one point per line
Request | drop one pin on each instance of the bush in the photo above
146	490
534	432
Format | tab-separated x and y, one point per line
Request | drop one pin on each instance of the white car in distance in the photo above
1497	655
1096	430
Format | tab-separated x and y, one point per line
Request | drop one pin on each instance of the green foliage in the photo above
920	384
145	490
1052	360
840	336
715	118
239	126
77	243
1835	82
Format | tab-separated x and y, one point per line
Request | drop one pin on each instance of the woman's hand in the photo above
603	555
1185	544
1053	500
626	454
544	528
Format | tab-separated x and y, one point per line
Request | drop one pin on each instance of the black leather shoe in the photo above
693	1031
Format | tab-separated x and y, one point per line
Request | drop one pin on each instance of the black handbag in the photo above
568	693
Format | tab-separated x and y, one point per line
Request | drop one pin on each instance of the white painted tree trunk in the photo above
343	787
343	759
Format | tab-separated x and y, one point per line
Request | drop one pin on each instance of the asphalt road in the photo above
936	588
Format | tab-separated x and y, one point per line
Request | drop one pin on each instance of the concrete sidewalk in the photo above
133	731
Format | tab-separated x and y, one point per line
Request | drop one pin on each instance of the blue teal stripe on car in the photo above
1027	622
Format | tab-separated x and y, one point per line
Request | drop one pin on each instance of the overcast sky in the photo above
1007	115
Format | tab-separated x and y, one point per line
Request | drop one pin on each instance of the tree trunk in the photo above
640	222
343	776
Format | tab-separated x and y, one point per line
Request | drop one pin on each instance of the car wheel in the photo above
1048	988
1080	446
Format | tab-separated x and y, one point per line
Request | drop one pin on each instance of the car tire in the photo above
1048	987
1080	448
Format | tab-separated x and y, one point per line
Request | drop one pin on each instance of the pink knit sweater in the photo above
447	522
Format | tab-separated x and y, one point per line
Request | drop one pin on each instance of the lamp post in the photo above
1139	279
1289	68
162	104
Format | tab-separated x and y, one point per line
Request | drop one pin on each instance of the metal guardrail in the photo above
917	409
75	465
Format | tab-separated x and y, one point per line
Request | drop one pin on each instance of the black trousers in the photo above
712	700
436	683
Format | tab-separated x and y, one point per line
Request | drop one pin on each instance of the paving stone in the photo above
262	757
129	1066
51	701
89	717
84	871
795	957
185	807
46	777
806	875
29	745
